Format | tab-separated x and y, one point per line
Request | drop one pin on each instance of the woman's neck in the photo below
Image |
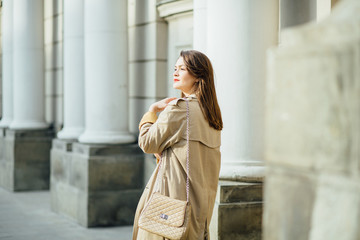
192	91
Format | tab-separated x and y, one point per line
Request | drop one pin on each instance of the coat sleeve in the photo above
165	132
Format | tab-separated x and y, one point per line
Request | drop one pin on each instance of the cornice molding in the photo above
170	8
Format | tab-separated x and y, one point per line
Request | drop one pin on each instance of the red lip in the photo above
176	80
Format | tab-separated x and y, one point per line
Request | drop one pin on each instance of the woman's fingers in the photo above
160	105
165	102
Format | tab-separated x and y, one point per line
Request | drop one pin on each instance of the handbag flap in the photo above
166	210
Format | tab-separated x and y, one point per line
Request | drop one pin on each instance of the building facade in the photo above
77	76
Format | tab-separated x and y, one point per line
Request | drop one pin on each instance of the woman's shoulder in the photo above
181	102
175	108
178	108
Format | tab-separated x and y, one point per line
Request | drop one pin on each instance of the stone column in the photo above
238	56
106	71
98	180
29	112
73	70
26	144
237	41
7	63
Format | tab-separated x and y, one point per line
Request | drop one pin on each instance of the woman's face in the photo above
183	80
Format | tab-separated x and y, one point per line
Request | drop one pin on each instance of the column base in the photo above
5	122
28	125
106	137
243	171
96	185
70	133
25	159
237	212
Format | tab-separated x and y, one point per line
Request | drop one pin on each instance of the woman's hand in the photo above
160	105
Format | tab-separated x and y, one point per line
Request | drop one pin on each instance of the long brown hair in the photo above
199	66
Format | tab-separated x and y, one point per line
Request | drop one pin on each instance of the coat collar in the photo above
192	96
174	102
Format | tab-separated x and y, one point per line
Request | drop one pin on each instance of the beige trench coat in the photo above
167	134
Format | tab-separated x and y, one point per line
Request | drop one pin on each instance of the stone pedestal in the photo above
3	163
96	185
24	159
237	211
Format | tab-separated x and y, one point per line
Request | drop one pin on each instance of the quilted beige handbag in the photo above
165	216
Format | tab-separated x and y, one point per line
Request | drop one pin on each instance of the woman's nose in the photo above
176	73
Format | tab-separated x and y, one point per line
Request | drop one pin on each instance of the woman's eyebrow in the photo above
181	65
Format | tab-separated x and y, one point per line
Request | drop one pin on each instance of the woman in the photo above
166	135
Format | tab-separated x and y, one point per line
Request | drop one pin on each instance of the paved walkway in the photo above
27	216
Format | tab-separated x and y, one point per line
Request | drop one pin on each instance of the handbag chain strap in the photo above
187	154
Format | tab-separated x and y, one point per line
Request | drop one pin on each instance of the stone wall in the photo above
96	185
24	159
147	58
312	188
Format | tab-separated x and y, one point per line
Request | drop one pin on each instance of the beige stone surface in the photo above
312	188
310	110
312	100
336	208
289	198
96	185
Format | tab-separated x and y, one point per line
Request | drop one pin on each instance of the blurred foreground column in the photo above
312	184
98	180
237	43
25	159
